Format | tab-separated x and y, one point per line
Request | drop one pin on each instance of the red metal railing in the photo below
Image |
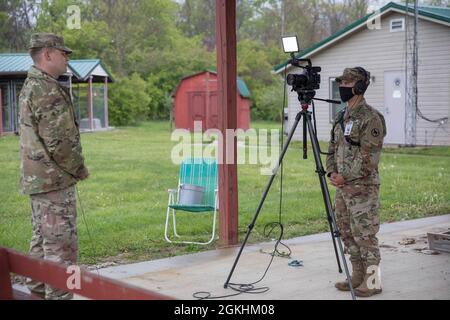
91	286
1	113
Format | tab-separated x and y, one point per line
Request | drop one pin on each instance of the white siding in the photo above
433	83
379	51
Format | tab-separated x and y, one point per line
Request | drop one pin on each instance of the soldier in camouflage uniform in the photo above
352	166
51	157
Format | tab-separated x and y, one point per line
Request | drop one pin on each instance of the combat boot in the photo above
371	283
357	277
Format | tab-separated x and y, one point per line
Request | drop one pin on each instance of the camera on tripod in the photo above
309	79
306	82
305	85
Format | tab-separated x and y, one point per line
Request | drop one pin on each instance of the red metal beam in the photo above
5	279
92	286
227	75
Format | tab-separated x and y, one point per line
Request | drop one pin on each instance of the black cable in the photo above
279	253
276	252
247	287
87	227
315	129
440	120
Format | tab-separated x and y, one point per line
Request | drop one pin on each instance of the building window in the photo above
397	25
334	95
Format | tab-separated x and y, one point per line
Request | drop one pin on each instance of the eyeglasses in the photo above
64	53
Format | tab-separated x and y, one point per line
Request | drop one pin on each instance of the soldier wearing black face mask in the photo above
352	166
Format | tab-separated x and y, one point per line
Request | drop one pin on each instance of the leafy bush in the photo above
128	101
268	103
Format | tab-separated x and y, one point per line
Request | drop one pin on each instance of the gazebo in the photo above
87	80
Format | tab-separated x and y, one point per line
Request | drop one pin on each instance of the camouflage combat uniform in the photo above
357	202
51	164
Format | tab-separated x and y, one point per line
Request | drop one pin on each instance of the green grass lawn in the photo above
125	198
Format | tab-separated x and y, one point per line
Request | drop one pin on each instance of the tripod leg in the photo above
305	140
263	198
321	172
328	206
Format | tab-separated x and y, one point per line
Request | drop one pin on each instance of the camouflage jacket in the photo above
356	157
51	155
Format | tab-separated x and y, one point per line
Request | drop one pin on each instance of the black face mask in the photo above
346	93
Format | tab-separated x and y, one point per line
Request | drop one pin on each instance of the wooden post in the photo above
90	104
226	74
105	101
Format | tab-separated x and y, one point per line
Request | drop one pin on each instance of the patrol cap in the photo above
48	40
354	74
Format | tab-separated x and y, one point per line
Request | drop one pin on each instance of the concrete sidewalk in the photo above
408	271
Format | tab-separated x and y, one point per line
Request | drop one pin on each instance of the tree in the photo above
16	18
158	42
182	57
198	18
339	14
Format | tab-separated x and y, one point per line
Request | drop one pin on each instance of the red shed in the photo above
195	99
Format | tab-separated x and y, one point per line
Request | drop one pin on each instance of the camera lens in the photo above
297	80
290	79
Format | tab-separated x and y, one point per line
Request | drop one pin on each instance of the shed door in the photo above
196	108
394	106
213	117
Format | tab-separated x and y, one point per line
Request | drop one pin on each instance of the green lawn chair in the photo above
197	193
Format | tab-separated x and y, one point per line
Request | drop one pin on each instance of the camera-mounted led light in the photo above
290	44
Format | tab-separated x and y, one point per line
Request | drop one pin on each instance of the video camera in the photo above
309	79
306	82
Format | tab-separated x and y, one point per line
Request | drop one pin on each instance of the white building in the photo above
378	44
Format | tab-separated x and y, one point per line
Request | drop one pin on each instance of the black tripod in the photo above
307	127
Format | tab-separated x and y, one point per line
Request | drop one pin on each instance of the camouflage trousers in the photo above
356	208
54	235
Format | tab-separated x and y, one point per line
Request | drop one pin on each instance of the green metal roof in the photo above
20	63
242	86
243	89
84	67
442	12
15	62
438	13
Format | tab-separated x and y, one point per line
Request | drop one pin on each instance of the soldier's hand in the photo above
83	173
332	176
337	180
